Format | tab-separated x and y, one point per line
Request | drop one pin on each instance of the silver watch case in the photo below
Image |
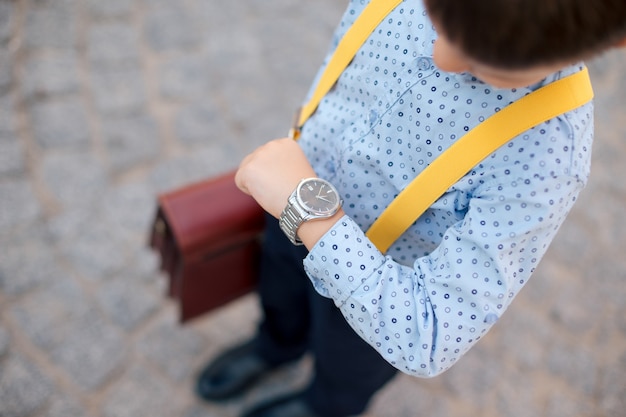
298	211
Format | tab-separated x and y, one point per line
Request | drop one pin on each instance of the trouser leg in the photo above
347	370
285	327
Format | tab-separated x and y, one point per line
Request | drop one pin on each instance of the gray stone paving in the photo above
103	104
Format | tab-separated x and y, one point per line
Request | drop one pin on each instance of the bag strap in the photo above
537	107
355	36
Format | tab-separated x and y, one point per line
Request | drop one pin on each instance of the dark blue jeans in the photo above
296	319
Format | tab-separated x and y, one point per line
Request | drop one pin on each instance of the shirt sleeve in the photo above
423	317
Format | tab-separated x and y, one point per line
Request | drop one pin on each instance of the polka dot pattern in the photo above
450	277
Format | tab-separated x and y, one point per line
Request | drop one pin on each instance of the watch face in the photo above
318	196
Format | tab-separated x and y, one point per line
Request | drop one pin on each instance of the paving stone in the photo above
153	3
186	77
563	405
59	123
575	365
110	8
74	177
34	233
118	91
516	400
50	27
59	5
128	302
173	348
6	69
170	27
470	380
244	49
204	163
130	208
131	141
523	335
65	225
96	250
245	111
12	161
201	123
620	320
141	393
64	407
392	401
50	74
604	162
613	388
244	98
18	277
609	275
5	340
18	204
62	322
23	388
577	314
145	266
93	350
7	16
7	116
201	411
607	200
113	45
232	324
43	315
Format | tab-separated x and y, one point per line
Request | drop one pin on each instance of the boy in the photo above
411	91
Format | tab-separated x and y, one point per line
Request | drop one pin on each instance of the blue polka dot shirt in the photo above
450	277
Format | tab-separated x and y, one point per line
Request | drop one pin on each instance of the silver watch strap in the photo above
290	220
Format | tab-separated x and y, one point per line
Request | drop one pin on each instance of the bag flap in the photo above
210	215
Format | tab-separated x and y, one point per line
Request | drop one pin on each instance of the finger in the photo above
240	176
246	159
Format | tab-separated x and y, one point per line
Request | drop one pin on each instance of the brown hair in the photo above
525	33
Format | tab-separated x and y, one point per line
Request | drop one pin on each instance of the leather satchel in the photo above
207	235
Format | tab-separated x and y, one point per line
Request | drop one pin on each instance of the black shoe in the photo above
291	405
231	373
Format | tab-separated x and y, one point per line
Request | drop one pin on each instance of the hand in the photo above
272	172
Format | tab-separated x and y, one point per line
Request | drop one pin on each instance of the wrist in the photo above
314	201
311	232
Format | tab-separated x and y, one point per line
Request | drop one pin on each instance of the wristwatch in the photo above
313	198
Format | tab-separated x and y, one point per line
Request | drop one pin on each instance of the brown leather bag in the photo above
208	237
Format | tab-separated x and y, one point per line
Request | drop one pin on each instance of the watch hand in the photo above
322	198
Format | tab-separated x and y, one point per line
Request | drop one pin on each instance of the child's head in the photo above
520	34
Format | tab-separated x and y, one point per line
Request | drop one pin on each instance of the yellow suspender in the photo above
537	107
355	36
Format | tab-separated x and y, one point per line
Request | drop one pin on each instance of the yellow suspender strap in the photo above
543	104
350	43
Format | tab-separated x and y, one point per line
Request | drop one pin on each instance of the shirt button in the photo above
330	167
424	64
373	116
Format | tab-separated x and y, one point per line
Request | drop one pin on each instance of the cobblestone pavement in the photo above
105	103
